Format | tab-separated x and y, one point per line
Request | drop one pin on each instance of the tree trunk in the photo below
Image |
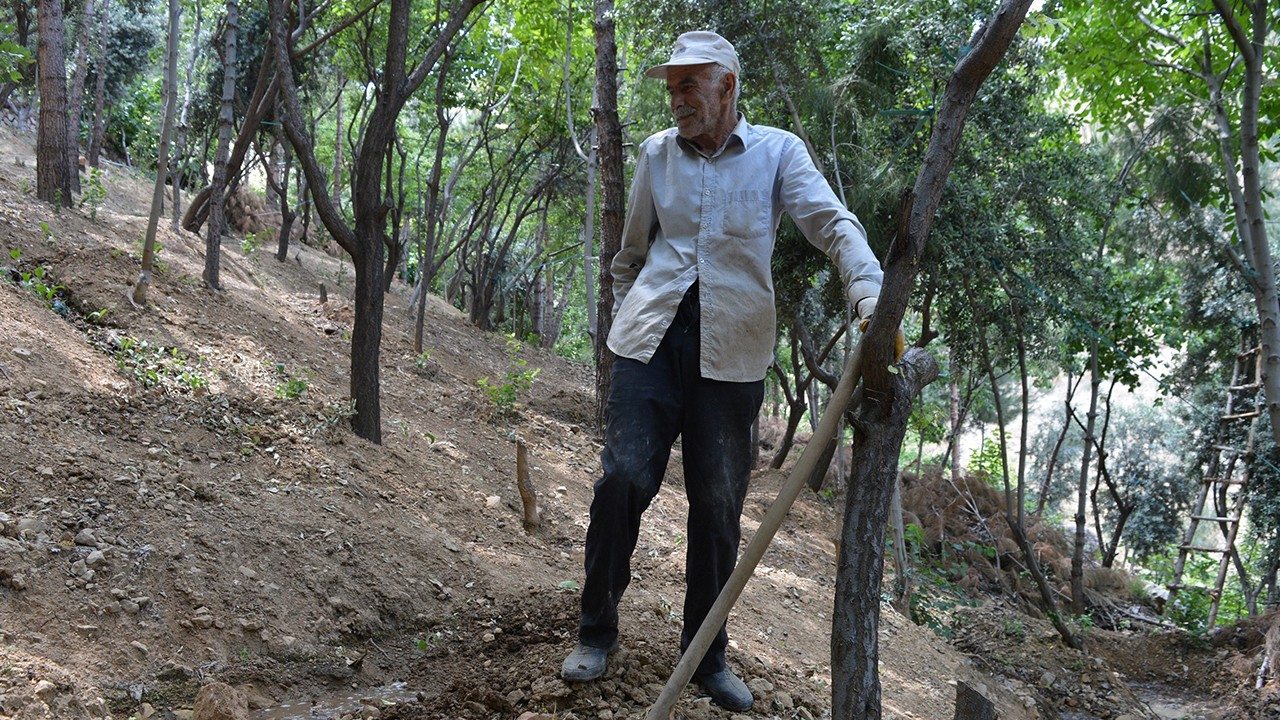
177	162
157	196
217	217
612	192
953	386
53	165
1243	173
76	98
100	85
855	683
855	622
365	241
1082	492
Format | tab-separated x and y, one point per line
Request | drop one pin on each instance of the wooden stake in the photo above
532	518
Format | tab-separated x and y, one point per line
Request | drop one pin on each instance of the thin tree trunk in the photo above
1082	492
855	621
76	99
53	166
177	163
157	196
100	85
613	194
953	385
217	217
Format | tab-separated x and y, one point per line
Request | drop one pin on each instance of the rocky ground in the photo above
182	503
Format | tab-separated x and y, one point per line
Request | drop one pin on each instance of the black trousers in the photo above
649	406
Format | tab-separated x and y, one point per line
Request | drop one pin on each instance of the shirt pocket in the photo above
746	212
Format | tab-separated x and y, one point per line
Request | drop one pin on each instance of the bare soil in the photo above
182	502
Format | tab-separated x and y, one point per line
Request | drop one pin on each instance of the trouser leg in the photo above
716	440
643	421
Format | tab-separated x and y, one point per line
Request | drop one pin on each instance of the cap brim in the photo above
660	71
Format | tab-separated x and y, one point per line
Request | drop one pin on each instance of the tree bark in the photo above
157	196
76	97
1082	491
53	165
100	85
855	622
177	164
217	219
1241	158
855	683
612	192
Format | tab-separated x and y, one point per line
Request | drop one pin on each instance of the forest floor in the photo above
182	502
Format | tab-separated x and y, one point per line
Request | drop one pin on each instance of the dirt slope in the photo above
181	502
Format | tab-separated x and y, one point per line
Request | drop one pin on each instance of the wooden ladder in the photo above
1227	480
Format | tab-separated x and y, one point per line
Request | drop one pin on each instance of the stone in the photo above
136	645
30	525
96	559
86	538
220	701
45	689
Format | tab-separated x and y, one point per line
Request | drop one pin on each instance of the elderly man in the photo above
694	331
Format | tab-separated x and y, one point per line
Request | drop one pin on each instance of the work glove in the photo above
866	308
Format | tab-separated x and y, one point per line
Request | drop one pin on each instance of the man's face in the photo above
698	104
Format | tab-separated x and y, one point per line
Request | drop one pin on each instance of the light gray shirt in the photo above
715	219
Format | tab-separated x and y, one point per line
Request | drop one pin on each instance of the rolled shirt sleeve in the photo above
808	198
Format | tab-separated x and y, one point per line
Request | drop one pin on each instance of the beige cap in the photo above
699	48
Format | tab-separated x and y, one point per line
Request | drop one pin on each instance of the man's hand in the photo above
866	307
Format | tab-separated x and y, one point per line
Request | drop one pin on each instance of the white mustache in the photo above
683	112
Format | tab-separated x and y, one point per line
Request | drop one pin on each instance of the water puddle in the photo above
328	708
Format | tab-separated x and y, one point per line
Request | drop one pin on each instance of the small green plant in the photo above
987	463
423	360
139	246
24	186
40	282
157	366
291	387
1014	628
14	254
94	192
517	379
48	231
250	243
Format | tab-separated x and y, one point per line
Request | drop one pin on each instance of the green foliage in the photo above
250	243
988	462
13	57
40	282
1190	606
94	192
139	246
1146	460
517	379
291	386
158	366
936	595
